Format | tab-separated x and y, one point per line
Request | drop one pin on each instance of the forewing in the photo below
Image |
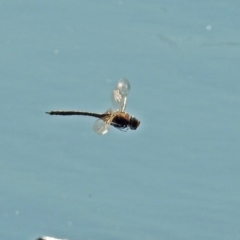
119	95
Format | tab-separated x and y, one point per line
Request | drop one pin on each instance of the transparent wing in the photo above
101	127
119	95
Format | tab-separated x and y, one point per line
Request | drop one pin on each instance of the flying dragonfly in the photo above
117	117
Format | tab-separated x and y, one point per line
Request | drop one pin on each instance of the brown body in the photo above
120	120
117	118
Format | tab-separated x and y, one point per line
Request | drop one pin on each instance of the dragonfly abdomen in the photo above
71	113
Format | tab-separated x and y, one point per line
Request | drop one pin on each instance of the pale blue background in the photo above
176	177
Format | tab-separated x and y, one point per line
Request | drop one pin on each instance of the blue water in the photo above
176	176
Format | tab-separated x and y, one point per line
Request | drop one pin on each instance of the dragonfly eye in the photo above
134	123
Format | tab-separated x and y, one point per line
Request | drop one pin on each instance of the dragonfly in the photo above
116	117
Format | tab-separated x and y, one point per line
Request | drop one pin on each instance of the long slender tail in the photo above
69	113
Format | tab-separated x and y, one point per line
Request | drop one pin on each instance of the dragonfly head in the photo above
134	123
